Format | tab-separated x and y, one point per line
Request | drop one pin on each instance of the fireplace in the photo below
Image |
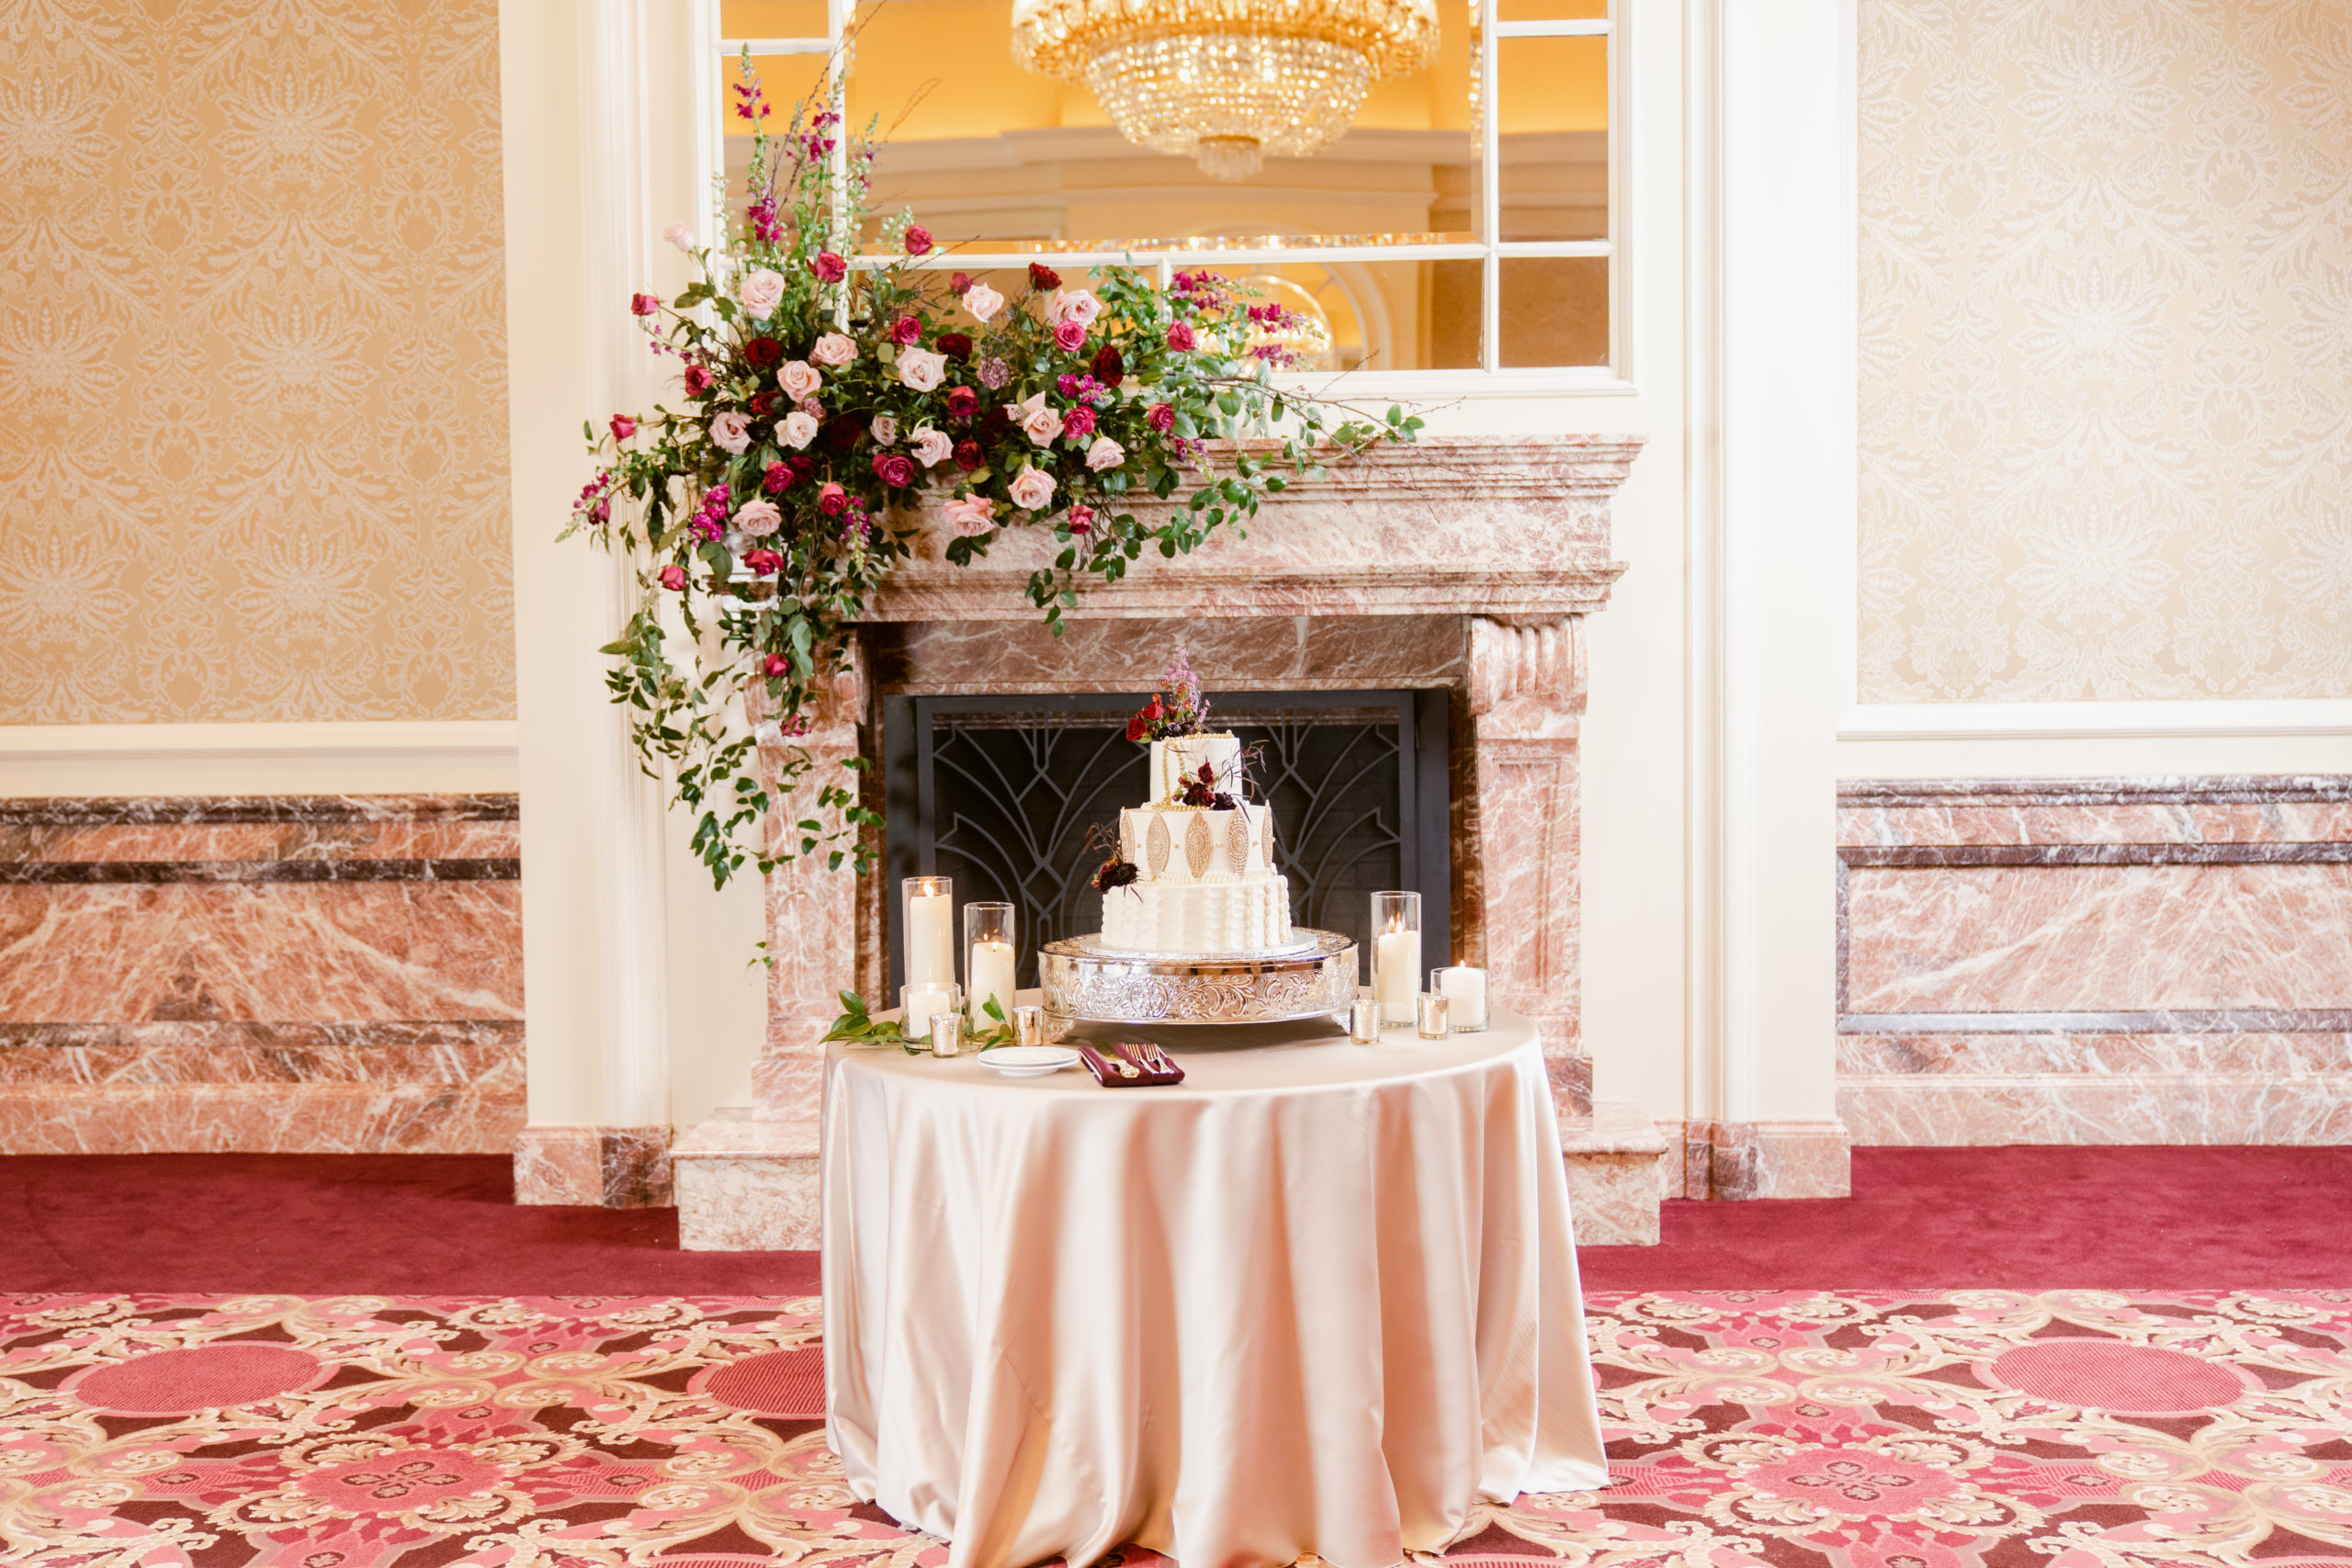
1001	793
1444	584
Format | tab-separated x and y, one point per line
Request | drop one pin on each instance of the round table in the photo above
1320	1297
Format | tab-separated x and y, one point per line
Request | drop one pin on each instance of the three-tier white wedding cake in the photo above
1204	878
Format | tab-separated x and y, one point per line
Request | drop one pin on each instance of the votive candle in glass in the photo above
918	1004
1396	955
1364	1021
931	931
947	1033
1029	1025
1464	990
1429	1016
988	961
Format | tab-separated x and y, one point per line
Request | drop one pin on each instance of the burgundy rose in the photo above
762	354
623	427
918	240
963	402
955	345
763	563
1042	276
674	578
643	304
1079	421
699	381
803	465
779	478
828	267
894	468
905	331
1139	727
1070	337
1109	368
959	283
996	422
843	432
1160	417
967	454
765	405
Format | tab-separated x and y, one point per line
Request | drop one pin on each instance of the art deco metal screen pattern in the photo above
999	793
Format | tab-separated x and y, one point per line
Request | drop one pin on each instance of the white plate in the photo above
1029	1061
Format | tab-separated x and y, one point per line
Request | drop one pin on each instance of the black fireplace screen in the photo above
999	793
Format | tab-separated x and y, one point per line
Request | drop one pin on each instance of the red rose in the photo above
762	354
955	345
674	578
802	466
1070	337
967	454
828	267
1079	421
765	405
1180	337
643	304
963	402
906	330
1044	277
779	478
894	468
623	427
1160	417
843	432
1109	368
959	283
1139	727
762	562
776	664
832	500
699	381
997	422
918	240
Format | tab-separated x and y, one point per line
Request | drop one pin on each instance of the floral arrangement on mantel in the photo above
819	402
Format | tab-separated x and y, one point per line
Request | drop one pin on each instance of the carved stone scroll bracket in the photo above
1527	696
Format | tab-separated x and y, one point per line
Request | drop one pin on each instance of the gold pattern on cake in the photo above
1236	844
1156	846
1196	844
1269	840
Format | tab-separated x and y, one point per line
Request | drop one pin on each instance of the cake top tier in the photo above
1181	756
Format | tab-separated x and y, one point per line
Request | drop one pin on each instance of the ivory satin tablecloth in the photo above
1320	1297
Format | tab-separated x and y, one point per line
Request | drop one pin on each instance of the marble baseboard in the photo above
1958	1110
1737	1160
1618	1170
611	1167
746	1185
257	1118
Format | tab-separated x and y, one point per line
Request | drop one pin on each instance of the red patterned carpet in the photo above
1858	1429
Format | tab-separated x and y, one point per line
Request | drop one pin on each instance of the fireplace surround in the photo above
1465	565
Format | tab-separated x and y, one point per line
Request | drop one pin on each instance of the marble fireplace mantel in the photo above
1462	562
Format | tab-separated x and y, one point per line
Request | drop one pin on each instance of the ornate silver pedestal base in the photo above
1081	979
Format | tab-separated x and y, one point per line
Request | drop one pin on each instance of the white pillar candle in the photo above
992	975
1397	960
931	940
1465	988
921	1003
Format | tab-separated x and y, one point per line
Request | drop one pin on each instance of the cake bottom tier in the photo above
1231	917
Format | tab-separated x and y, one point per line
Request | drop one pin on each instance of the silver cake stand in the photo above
1081	980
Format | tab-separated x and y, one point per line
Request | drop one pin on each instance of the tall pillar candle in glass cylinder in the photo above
1396	955
988	961
930	931
1464	989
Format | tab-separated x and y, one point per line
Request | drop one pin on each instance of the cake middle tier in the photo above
1240	916
1179	846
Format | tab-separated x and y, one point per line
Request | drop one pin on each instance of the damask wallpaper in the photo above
2106	349
253	388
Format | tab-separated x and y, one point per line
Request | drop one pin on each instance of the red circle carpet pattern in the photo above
1747	1429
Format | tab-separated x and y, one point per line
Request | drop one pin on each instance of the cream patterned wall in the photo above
2106	349
252	386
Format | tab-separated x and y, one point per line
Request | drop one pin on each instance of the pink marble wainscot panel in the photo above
2290	822
2105	939
616	1168
2194	1107
248	1117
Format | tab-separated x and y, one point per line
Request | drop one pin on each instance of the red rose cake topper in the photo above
1178	707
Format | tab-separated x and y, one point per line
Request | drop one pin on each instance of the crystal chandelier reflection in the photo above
1227	82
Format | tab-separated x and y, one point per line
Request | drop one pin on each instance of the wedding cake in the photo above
1194	869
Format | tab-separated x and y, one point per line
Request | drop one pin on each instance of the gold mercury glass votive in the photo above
1028	1026
1432	1016
1364	1021
947	1033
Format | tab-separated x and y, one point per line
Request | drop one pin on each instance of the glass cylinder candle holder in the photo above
1364	1021
1464	990
1396	955
947	1033
930	931
1029	1025
989	960
1429	1019
921	1003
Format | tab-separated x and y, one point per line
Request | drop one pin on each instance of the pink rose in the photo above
1075	305
1180	337
761	292
971	513
731	430
906	330
894	468
930	447
832	499
776	665
921	368
1040	423
1105	454
833	349
698	380
1160	417
799	379
960	282
674	578
884	430
681	236
763	563
1080	421
643	305
1081	519
758	518
623	427
918	240
1030	490
797	430
828	267
1070	337
982	302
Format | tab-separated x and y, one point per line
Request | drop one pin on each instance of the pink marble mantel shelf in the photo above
1446	526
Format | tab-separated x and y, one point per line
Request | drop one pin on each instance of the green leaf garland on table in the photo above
818	401
858	1026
